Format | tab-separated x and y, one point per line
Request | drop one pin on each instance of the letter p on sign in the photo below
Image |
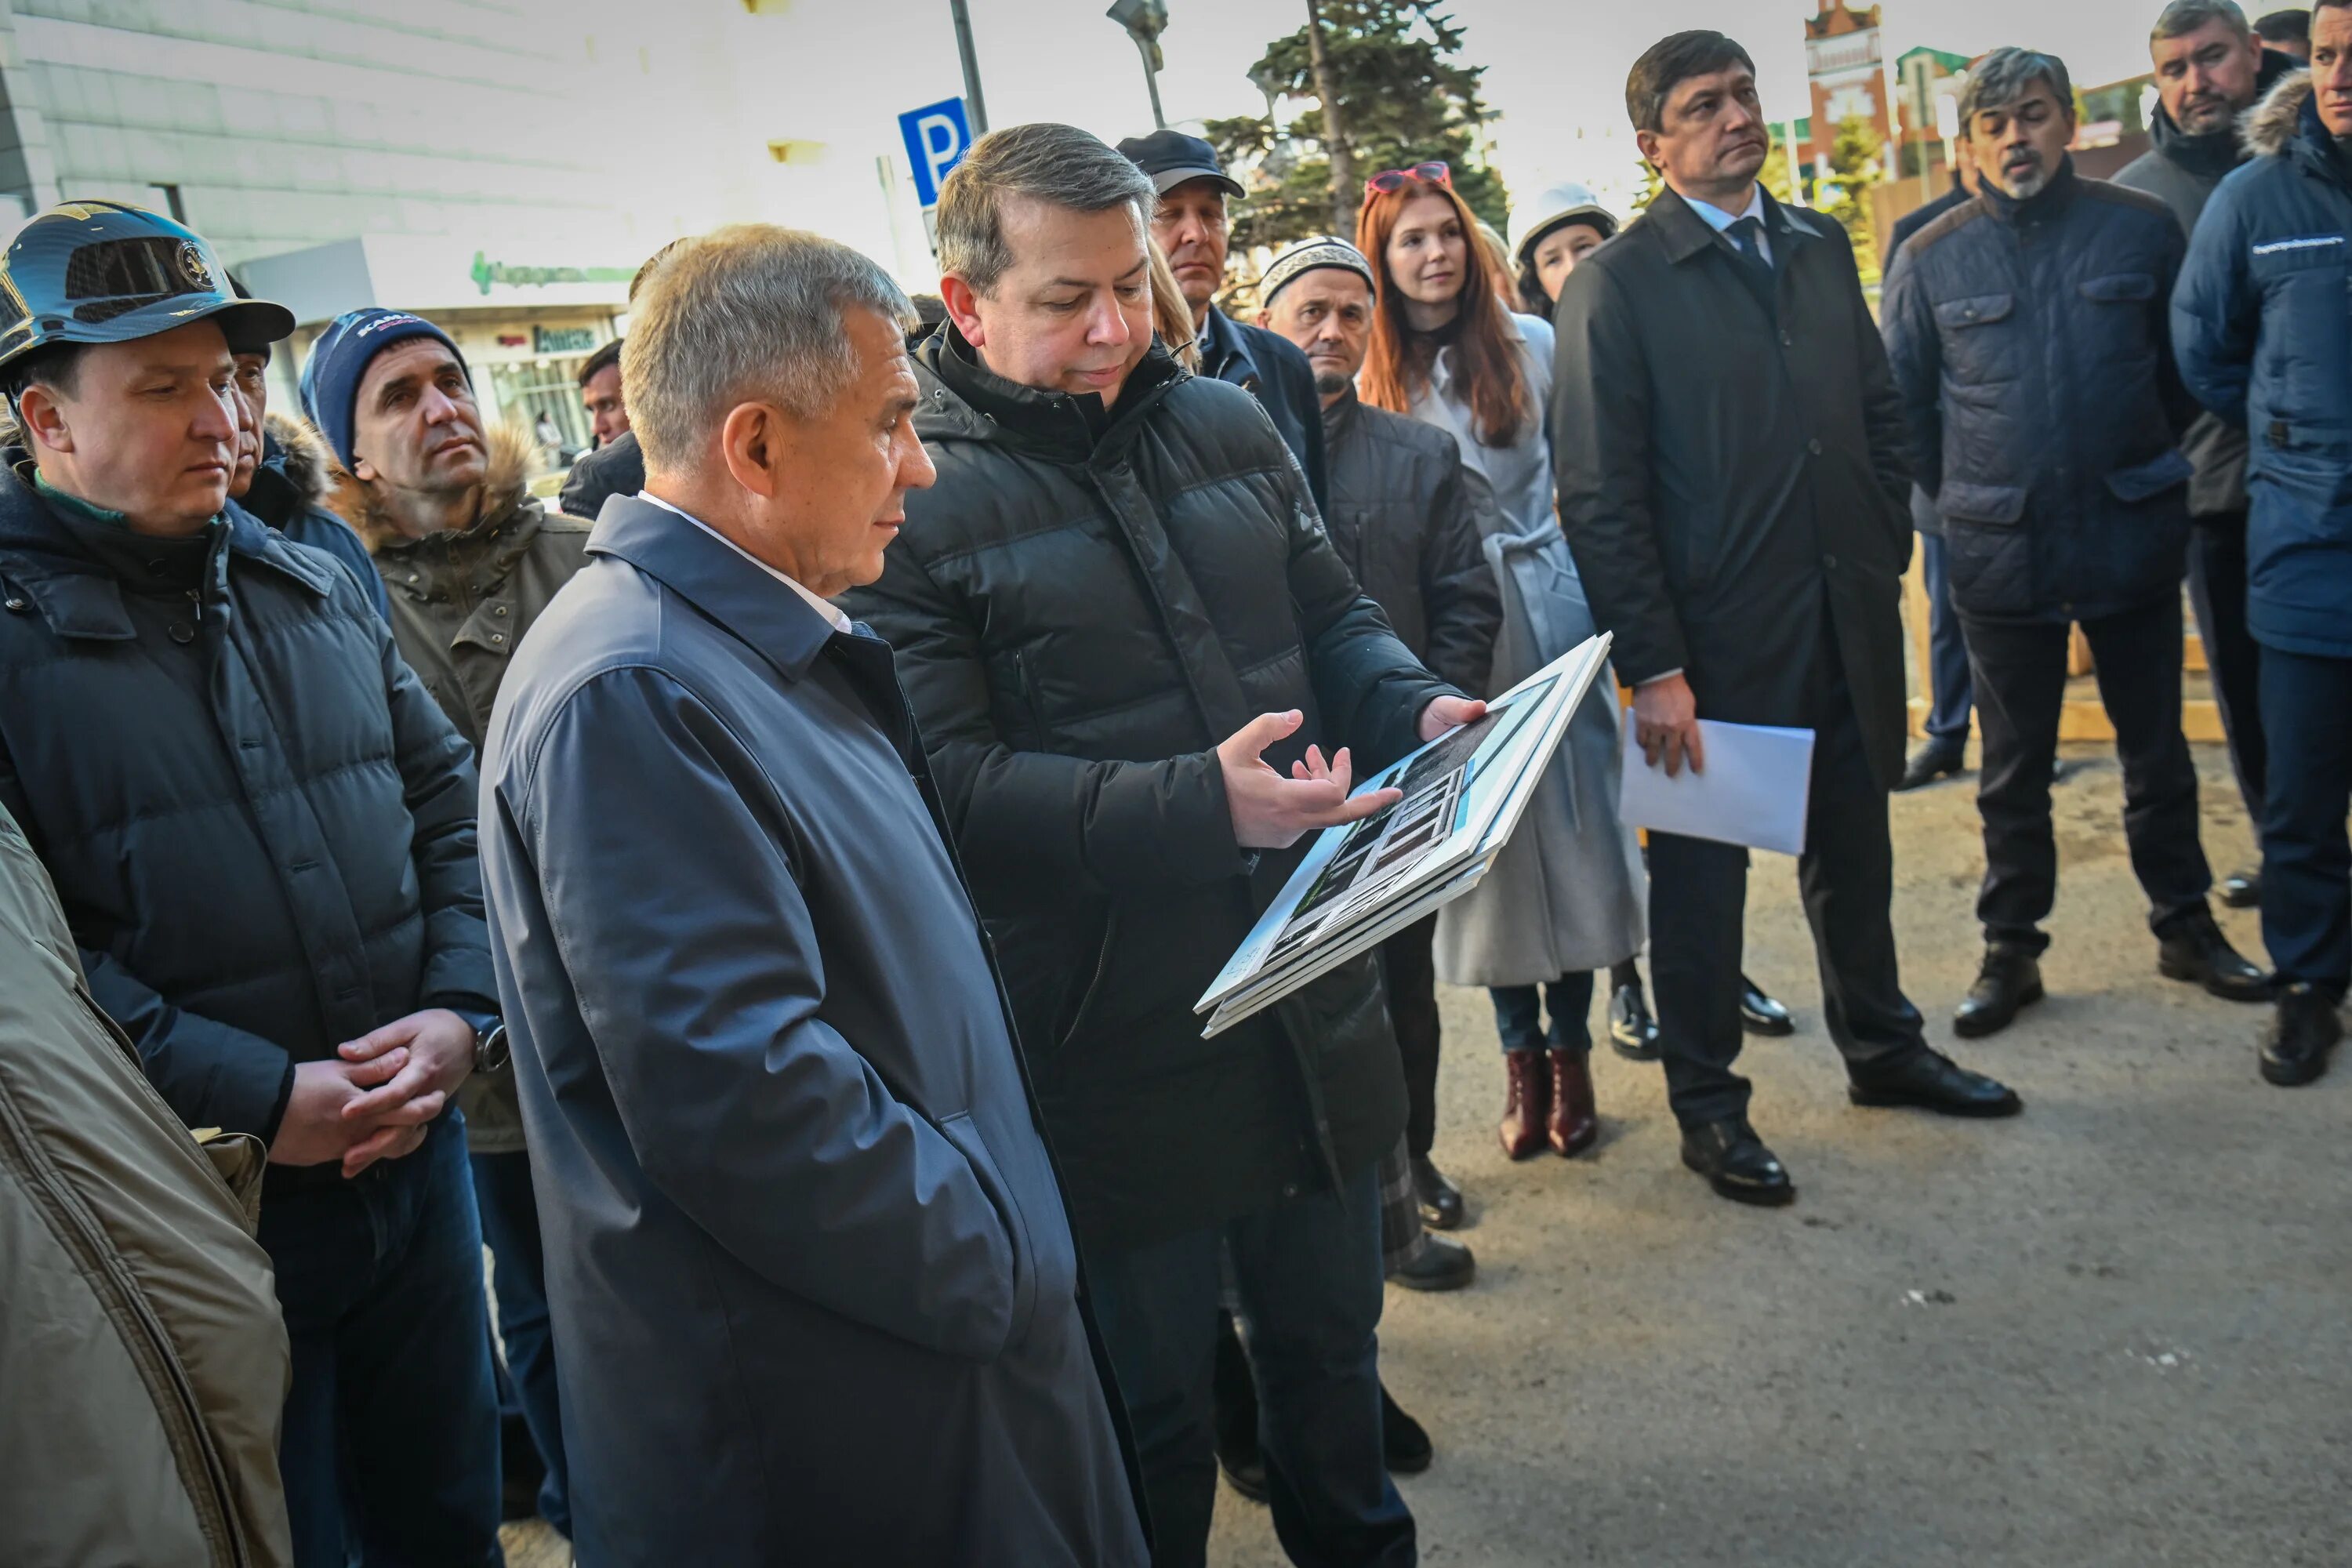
936	137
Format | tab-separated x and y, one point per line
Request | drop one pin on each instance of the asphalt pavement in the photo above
2109	1333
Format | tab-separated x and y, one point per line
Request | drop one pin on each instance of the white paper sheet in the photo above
1753	791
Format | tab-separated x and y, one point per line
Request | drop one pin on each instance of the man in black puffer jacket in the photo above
261	829
1116	597
2030	336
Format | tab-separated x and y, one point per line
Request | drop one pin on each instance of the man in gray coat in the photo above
815	1292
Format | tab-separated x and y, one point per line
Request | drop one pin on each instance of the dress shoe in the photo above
1441	1263
1633	1033
1737	1164
1935	759
1759	1014
1403	1439
1929	1080
2243	890
2010	978
1526	1103
2296	1045
1574	1124
1440	1199
2194	950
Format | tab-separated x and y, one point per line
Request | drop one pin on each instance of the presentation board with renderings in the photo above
1360	883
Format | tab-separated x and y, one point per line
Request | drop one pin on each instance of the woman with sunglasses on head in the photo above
1565	897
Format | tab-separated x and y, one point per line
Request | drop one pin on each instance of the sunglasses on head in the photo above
1435	172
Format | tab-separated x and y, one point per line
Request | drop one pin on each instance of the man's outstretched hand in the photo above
1271	811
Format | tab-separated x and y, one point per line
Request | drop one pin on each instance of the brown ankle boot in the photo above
1575	1122
1526	1103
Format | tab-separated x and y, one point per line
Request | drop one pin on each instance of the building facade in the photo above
502	169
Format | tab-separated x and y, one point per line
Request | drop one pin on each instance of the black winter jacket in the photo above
1082	609
2183	170
615	469
2032	347
1271	369
1405	516
253	877
291	491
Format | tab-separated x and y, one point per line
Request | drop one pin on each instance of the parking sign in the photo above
936	136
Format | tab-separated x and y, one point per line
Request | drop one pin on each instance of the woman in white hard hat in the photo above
1549	234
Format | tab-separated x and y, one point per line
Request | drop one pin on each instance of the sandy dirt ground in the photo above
2109	1333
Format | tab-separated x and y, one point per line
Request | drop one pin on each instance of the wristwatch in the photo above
489	1040
490	1049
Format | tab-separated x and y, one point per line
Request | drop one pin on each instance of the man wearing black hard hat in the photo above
262	830
1189	227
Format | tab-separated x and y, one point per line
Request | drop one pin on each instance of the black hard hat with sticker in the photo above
102	272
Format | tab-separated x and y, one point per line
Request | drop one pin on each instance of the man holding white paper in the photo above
1729	456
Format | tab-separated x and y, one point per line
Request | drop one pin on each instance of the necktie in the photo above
1746	238
1747	233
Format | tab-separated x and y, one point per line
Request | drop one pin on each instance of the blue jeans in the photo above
1308	1271
1519	1021
2306	859
509	1210
390	1448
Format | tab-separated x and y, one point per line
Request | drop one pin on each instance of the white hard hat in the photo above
1565	203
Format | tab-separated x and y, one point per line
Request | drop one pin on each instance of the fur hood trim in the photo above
507	486
309	461
2271	126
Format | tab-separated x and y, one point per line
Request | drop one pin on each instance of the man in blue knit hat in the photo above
470	560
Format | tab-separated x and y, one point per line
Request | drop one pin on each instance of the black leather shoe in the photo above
2010	978
1403	1439
1759	1014
1444	1264
2243	890
2306	1028
1933	759
2197	951
1440	1199
1929	1080
1737	1164
1633	1033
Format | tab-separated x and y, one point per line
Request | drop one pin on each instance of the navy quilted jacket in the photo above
258	875
2031	344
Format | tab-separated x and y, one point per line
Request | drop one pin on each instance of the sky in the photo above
1556	68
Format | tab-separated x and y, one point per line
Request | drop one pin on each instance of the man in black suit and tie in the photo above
1732	480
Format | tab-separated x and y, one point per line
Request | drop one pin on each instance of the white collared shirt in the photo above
1721	221
823	606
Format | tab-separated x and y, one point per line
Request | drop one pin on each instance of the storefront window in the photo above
544	390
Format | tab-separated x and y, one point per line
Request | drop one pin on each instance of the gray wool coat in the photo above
815	1299
1568	893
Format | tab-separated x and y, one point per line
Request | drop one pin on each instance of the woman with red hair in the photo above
1566	896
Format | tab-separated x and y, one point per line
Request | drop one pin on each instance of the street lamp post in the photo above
1145	20
974	109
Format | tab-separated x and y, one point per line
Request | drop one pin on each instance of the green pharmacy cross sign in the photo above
486	272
